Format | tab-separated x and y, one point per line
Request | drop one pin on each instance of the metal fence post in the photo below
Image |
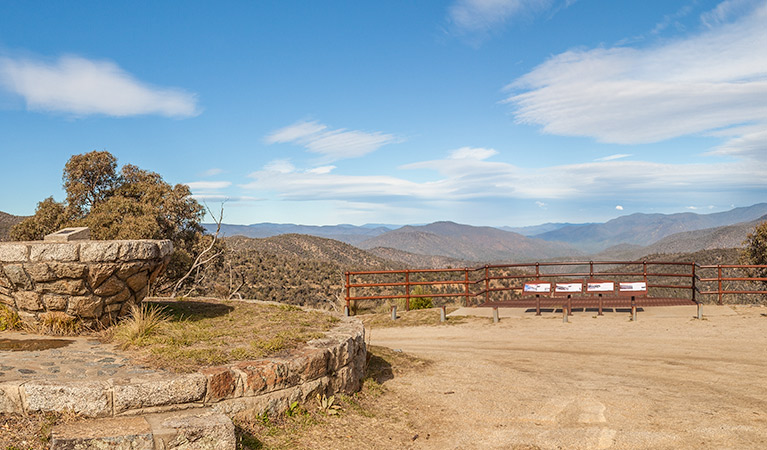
694	283
407	290
466	285
487	284
347	294
719	276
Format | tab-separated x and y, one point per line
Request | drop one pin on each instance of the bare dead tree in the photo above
234	291
204	257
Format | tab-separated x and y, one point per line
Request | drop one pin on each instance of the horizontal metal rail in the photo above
501	279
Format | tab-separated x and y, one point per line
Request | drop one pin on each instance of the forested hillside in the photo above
292	268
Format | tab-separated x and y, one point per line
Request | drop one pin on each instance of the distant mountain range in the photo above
453	244
443	244
731	236
351	234
467	242
645	229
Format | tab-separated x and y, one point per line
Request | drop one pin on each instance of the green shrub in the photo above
419	302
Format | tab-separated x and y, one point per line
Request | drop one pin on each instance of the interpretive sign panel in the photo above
569	287
538	287
638	286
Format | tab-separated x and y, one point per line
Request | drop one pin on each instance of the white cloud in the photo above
472	153
713	80
322	169
212	172
482	16
208	185
220	198
745	142
726	11
280	166
296	132
81	86
471	179
613	157
334	144
541	204
619	208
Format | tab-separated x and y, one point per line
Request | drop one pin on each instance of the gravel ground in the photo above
667	381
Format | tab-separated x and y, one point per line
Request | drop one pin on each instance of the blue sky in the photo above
486	112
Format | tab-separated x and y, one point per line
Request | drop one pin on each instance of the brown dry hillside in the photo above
6	222
416	261
468	242
291	268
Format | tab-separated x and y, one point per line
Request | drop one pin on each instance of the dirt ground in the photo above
665	381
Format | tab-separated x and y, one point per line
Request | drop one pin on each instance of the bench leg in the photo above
600	305
569	305
537	305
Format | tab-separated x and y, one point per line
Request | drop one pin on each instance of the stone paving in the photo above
69	359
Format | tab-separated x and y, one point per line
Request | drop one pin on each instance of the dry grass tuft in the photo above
57	323
144	321
9	320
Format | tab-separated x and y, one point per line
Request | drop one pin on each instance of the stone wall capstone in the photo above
93	281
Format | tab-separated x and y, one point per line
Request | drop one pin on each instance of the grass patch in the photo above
413	318
183	335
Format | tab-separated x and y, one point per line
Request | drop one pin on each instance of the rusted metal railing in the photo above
491	281
723	277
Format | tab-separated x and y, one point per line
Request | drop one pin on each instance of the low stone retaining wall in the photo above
332	364
95	281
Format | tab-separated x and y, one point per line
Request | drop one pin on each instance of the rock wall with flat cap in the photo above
94	281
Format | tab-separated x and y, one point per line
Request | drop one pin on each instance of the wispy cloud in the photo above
470	179
212	172
333	144
613	157
80	86
280	166
482	16
713	80
472	153
726	11
208	185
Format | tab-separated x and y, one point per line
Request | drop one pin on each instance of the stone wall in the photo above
94	281
332	364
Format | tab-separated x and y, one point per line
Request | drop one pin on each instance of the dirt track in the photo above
665	381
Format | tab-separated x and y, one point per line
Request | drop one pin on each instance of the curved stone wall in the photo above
94	281
329	365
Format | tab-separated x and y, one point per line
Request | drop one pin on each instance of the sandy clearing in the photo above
665	381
